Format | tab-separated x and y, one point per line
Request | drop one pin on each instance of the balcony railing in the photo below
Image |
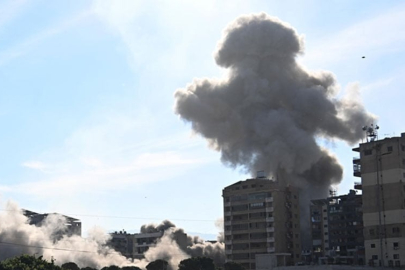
269	199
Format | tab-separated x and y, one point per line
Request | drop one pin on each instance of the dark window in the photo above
368	152
372	245
389	148
396	256
397	263
403	147
244	187
396	245
372	232
395	230
374	257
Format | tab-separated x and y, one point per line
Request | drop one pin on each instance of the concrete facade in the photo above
337	230
73	226
261	217
134	246
381	166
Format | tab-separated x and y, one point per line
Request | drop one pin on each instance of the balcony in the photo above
269	209
357	170
228	252
227	204
228	242
270	229
270	219
228	213
270	239
356	160
269	199
271	249
228	232
228	223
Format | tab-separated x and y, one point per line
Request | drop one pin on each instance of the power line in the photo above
52	248
125	217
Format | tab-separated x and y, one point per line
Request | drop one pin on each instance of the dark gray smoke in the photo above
268	113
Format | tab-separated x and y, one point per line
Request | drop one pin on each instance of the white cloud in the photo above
36	165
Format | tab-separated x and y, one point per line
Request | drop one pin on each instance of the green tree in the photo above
130	268
111	267
233	266
28	262
88	268
157	265
70	266
197	263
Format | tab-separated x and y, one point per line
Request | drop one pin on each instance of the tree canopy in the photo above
233	266
157	265
28	262
197	263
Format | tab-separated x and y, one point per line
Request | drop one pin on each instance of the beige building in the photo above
261	217
381	166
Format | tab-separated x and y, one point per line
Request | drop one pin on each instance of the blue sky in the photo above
86	99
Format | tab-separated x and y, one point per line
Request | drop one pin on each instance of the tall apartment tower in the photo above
381	166
261	217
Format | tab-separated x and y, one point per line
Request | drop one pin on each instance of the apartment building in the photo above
134	246
381	166
261	216
72	226
337	230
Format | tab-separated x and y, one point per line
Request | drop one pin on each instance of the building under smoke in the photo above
269	112
134	246
262	216
337	230
71	226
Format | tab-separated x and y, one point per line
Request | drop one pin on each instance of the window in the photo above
374	257
372	232
389	148
395	230
396	245
397	263
403	147
396	256
325	226
372	245
368	152
245	187
326	233
325	218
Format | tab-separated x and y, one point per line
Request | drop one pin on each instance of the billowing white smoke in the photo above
269	111
18	237
182	246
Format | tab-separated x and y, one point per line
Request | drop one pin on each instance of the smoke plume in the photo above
269	111
176	245
18	237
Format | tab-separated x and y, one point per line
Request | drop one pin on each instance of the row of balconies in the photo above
269	250
246	211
